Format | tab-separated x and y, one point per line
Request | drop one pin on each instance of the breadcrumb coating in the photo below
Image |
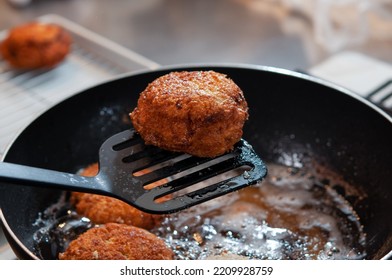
36	45
117	242
201	113
103	209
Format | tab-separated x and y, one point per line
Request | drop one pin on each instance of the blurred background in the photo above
293	34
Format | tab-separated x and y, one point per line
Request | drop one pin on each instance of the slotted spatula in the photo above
124	155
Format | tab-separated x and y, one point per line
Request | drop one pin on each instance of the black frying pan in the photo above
290	113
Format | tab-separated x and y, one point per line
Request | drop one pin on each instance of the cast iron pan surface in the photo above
289	113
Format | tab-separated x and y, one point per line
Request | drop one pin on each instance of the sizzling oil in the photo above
291	215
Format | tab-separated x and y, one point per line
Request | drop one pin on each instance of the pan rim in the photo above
191	66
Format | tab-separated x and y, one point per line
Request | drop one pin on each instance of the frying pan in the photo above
291	115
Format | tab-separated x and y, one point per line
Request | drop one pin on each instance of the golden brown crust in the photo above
103	209
200	113
36	45
117	242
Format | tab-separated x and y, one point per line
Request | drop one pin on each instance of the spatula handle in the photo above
38	177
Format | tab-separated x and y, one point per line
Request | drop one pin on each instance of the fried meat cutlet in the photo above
117	242
201	113
36	45
104	209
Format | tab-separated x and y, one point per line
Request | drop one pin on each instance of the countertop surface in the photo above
280	33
